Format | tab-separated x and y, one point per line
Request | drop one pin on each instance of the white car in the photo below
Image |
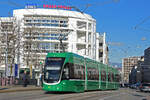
145	87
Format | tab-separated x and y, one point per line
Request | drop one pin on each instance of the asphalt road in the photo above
121	94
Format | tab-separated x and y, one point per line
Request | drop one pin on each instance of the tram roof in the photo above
64	54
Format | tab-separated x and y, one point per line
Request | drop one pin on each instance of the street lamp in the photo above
6	55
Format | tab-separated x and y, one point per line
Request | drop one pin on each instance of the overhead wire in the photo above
106	2
143	21
82	12
138	26
76	8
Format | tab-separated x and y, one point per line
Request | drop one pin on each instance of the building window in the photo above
100	44
39	22
100	54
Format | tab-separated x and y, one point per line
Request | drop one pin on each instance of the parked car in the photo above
126	84
135	86
145	87
132	86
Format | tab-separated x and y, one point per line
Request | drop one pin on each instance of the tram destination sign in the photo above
54	58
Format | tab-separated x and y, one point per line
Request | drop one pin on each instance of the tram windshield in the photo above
52	69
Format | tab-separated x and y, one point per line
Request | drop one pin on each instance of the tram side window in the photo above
66	72
109	77
71	71
103	75
112	77
93	74
117	78
97	74
76	71
89	74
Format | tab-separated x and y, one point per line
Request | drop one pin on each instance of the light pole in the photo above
62	37
6	55
18	48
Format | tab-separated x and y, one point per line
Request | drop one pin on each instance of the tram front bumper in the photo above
52	88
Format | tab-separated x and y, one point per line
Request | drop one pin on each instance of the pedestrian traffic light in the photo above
40	63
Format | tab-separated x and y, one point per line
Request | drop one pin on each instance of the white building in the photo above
41	29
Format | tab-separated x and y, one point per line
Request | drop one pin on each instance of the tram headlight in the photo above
63	83
57	88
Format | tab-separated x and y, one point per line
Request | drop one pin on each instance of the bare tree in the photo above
10	29
31	47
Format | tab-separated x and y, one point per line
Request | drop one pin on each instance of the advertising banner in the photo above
10	71
16	70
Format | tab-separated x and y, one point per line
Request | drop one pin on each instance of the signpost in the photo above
31	71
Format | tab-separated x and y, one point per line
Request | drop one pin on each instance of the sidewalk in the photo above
18	88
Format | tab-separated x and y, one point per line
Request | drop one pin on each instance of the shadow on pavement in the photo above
3	88
144	99
62	93
138	95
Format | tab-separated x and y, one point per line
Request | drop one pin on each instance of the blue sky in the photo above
118	18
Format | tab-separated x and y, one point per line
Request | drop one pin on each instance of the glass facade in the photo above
46	22
52	36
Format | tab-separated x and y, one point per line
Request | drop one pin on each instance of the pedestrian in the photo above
25	79
41	79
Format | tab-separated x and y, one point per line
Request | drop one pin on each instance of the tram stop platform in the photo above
18	88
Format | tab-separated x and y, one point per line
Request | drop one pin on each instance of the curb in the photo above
20	90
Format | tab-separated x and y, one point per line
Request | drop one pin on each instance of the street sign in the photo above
31	6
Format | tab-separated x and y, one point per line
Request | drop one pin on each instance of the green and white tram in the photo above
69	72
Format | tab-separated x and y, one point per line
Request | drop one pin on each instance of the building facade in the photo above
127	65
146	66
142	72
40	31
102	48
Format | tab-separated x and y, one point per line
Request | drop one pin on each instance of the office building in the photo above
38	31
127	65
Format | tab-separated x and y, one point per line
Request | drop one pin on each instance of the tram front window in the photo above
52	69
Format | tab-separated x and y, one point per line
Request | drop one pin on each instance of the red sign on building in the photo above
57	6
